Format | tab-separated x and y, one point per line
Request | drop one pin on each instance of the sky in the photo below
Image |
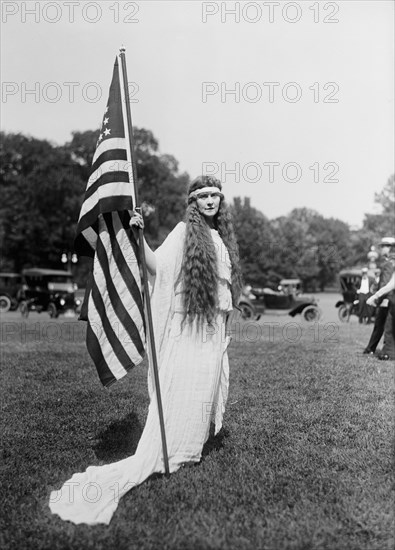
288	103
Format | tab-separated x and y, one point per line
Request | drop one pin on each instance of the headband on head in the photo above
209	189
204	181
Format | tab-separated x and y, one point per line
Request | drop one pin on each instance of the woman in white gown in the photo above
195	281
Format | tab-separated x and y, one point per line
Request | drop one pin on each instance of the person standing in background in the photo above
387	245
388	351
364	311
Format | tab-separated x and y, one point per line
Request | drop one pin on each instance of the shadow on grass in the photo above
214	442
119	440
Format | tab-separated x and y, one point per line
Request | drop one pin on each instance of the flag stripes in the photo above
107	178
93	345
115	316
113	304
109	189
85	241
126	259
109	144
107	155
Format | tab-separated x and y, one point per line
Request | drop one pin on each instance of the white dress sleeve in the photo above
168	267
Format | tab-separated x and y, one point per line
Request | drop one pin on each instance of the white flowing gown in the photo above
194	377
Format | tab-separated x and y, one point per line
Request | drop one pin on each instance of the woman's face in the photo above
208	203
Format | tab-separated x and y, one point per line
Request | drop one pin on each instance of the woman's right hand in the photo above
136	220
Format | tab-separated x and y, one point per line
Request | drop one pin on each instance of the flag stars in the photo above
107	131
105	121
100	137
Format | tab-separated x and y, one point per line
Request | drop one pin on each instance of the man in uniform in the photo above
386	267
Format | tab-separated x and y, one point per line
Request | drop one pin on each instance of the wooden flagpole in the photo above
144	267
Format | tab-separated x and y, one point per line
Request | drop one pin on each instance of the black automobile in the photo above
10	286
255	300
48	290
350	281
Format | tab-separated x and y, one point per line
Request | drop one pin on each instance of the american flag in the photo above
113	304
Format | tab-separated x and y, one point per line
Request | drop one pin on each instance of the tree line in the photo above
42	187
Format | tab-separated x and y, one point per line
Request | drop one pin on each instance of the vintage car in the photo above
290	286
10	285
48	290
255	300
350	281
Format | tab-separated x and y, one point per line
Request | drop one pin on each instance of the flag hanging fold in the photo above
113	304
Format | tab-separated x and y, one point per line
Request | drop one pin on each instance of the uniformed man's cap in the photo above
387	241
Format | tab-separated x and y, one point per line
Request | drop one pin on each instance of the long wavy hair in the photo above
199	270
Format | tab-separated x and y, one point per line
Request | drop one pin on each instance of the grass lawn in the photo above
304	460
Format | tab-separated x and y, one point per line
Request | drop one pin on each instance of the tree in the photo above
40	194
333	247
386	199
294	246
43	185
254	238
375	226
310	247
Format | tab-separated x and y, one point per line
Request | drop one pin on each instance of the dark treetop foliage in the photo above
42	187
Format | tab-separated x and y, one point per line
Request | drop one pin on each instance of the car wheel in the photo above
14	304
52	310
311	314
24	309
343	314
5	303
246	311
